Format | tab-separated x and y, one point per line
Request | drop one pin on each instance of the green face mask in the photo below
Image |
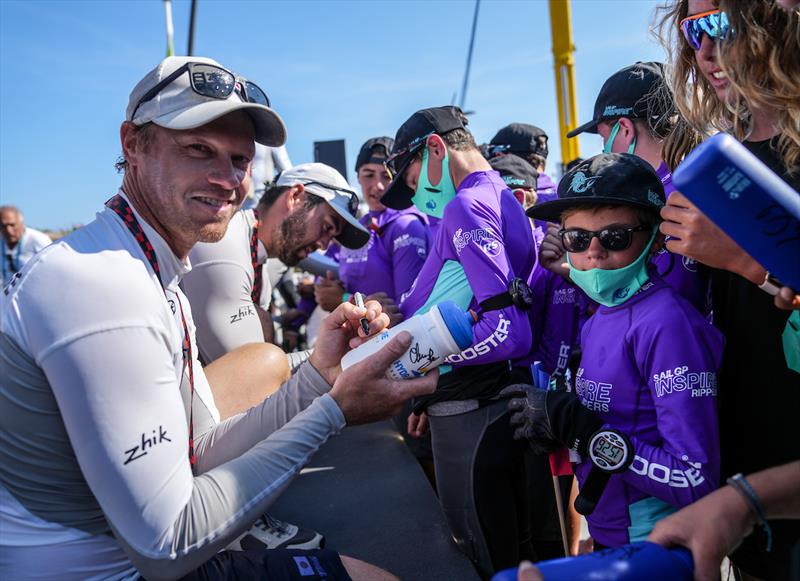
613	287
791	342
431	199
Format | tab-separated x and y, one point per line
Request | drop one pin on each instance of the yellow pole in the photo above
563	49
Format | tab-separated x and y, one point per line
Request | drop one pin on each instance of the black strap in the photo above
497	302
517	294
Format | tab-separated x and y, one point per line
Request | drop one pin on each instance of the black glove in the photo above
550	419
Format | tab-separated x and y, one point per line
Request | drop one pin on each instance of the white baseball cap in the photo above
183	103
327	183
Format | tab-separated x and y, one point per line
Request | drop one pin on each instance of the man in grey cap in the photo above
309	206
114	465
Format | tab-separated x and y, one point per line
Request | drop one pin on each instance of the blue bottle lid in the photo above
458	323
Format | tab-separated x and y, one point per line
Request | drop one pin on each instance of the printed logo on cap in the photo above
580	183
654	198
614	111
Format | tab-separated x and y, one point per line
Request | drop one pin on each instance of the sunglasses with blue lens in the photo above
713	24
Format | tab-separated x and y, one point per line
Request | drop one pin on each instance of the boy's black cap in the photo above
638	91
608	178
410	138
520	139
367	155
515	171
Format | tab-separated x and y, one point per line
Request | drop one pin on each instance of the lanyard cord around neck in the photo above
119	206
257	275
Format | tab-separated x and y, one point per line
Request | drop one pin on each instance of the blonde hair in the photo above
765	77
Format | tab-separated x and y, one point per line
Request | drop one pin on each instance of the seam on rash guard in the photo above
64	341
215	262
212	535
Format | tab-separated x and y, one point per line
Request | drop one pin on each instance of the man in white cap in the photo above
113	464
229	289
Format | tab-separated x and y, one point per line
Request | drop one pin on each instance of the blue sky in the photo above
333	69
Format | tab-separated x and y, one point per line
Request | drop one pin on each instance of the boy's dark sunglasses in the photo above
413	146
352	202
615	238
713	23
210	81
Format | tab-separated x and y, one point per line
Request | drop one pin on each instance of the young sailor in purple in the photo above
482	245
398	243
648	374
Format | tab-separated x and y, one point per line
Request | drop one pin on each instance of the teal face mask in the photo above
431	199
791	342
613	287
612	136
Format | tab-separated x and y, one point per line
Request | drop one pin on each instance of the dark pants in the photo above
271	565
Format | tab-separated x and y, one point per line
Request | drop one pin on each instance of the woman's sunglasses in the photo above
210	81
614	238
713	23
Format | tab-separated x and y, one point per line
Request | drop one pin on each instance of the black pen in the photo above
360	304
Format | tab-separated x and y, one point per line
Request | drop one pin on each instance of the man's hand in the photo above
340	331
692	234
389	307
710	528
365	394
328	292
552	255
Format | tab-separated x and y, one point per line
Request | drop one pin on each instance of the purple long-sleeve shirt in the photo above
390	261
649	369
684	274
483	241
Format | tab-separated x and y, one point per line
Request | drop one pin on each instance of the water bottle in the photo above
443	331
747	200
642	560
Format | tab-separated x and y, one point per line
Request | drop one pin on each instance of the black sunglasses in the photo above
210	81
352	202
615	238
413	146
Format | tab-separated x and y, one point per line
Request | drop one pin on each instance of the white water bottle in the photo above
443	331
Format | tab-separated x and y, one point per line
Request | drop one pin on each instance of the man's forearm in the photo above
778	489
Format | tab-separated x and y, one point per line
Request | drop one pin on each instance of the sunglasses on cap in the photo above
413	146
713	23
210	81
615	238
352	202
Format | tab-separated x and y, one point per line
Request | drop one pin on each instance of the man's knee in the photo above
247	375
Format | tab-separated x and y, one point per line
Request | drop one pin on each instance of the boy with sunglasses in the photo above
646	384
634	112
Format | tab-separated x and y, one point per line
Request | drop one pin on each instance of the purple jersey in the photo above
557	328
684	274
546	191
649	369
390	261
483	241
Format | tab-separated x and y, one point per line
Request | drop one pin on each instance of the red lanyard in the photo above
118	205
256	292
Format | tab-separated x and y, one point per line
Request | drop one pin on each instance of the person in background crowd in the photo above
634	112
530	143
114	465
735	69
647	377
481	257
309	206
398	242
18	244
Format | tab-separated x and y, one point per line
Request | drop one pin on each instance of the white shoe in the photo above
270	533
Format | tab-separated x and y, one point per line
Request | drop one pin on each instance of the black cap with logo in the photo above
605	179
515	171
519	138
411	138
371	151
638	91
